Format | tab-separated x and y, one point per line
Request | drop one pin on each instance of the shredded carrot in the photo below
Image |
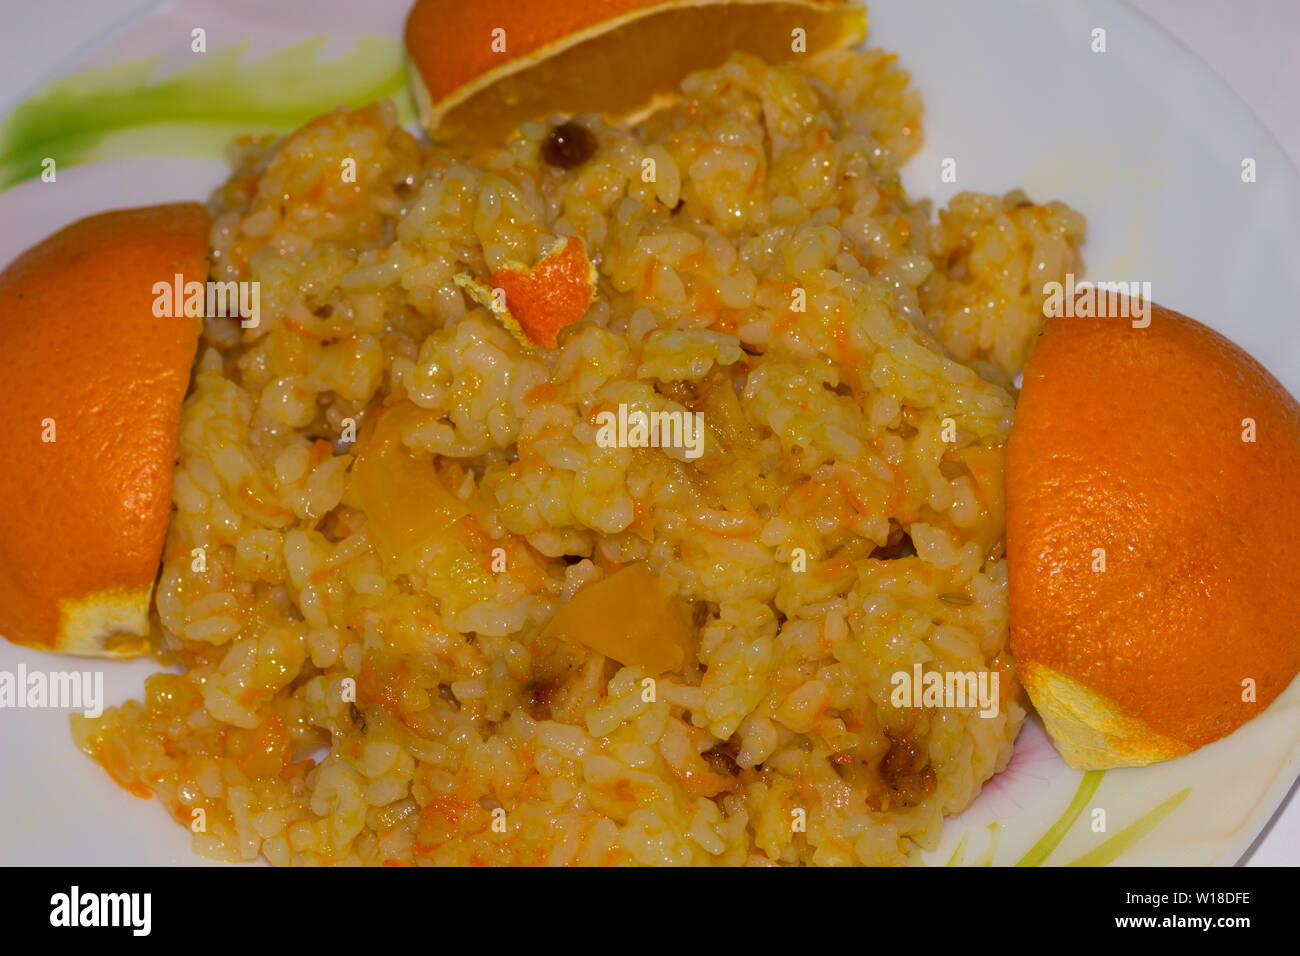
539	394
321	450
135	789
858	505
758	168
900	489
648	280
262	507
301	330
832	567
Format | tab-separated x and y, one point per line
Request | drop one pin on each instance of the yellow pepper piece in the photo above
629	617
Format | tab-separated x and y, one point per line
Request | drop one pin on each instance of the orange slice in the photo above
95	384
481	69
1153	497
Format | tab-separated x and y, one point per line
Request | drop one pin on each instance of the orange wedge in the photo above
481	69
1153	497
95	385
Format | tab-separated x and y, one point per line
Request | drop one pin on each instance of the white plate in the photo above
1142	138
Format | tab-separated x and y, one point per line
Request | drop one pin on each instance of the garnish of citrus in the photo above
481	69
1153	537
95	383
535	303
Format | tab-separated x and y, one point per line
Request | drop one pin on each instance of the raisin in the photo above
569	145
906	771
722	762
899	545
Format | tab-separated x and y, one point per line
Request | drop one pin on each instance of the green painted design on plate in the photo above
1110	850
1049	841
986	858
958	857
121	111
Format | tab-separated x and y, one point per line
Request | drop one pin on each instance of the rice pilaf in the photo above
368	676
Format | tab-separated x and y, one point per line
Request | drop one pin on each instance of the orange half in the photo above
1153	557
95	382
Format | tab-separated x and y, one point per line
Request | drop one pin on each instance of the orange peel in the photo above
534	304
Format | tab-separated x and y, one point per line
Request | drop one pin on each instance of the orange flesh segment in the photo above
629	618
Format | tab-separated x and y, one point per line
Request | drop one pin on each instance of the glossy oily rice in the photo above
367	674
